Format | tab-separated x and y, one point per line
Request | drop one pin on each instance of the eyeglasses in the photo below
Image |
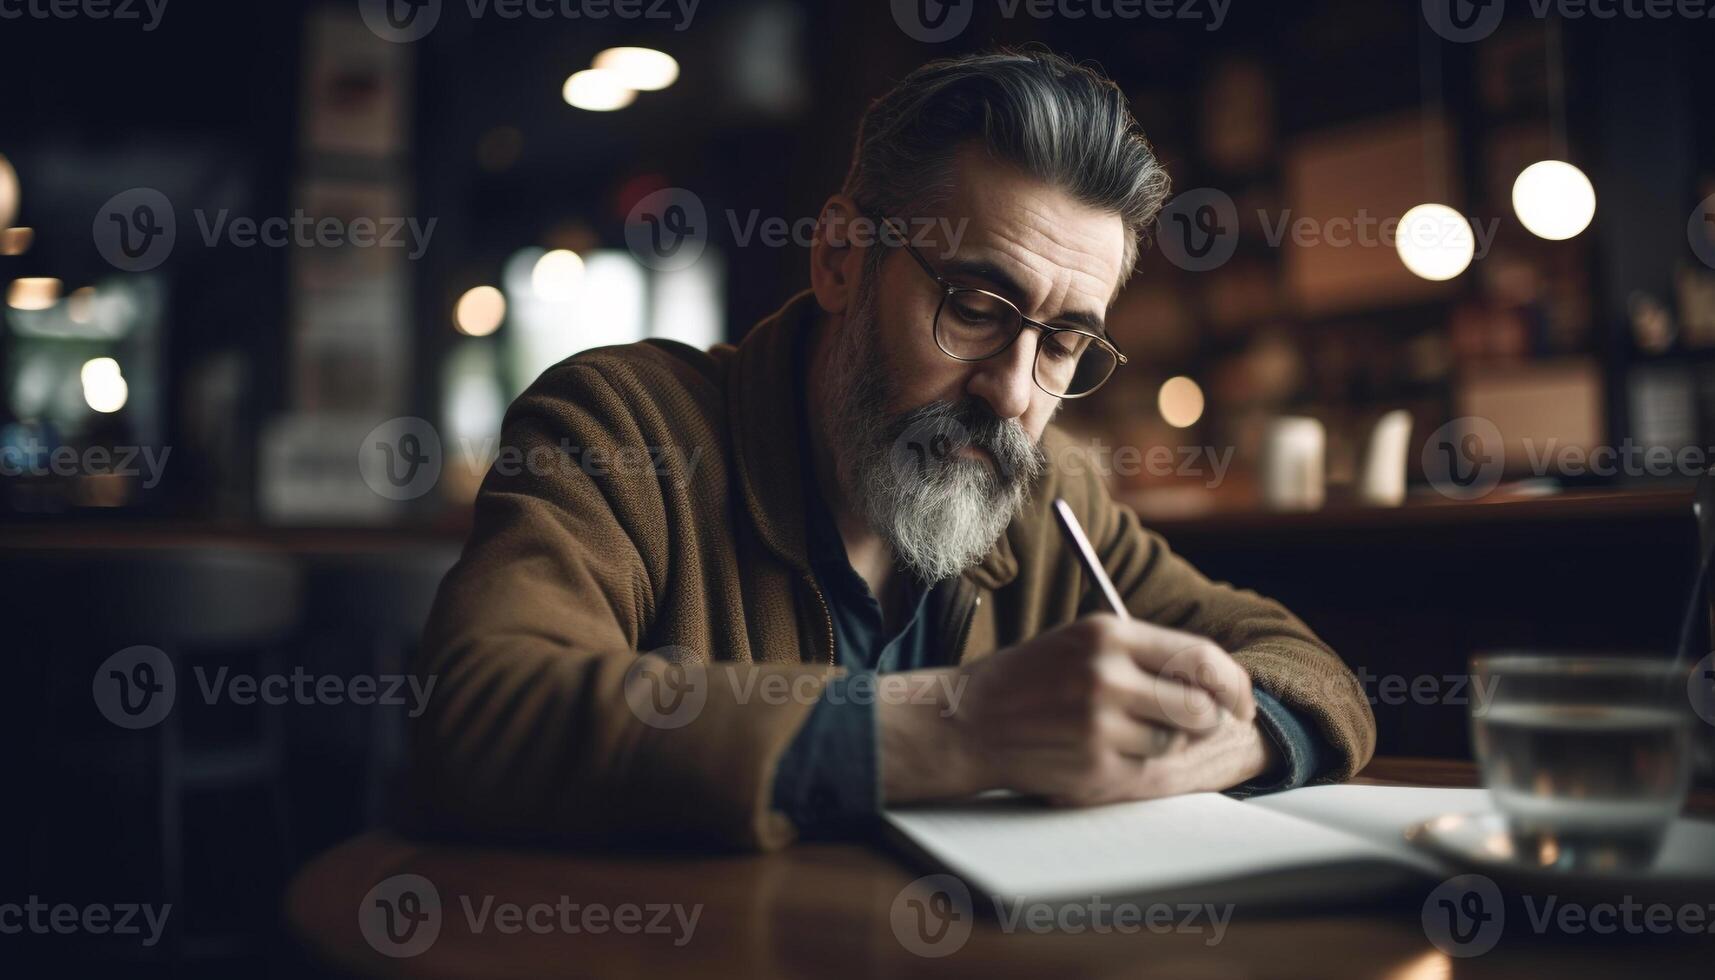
974	325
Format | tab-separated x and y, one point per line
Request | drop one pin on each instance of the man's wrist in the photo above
927	750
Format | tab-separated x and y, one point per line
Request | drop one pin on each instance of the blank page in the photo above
1015	848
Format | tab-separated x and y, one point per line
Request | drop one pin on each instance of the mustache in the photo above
931	435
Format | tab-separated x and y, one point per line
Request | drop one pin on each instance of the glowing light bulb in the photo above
104	387
33	293
597	91
1553	199
8	192
557	275
479	311
644	69
1180	401
1435	241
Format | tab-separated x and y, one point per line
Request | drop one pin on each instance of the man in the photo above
829	578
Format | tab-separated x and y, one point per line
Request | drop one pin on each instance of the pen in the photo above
1087	556
1092	567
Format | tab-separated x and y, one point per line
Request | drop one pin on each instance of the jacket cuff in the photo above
828	781
1302	753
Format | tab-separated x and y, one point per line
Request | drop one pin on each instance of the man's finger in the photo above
1159	700
1191	660
1142	739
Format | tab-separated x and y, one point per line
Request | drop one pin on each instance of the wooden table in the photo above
825	910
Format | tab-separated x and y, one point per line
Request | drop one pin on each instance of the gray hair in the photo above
1064	123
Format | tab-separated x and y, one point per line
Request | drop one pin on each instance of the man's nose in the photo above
1004	381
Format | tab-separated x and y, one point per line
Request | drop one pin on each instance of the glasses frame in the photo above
1048	329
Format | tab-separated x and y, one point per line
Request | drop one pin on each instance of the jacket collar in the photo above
766	427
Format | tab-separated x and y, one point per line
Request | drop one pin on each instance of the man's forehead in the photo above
1057	258
1056	251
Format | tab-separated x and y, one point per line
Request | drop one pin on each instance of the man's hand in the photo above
1234	752
1097	710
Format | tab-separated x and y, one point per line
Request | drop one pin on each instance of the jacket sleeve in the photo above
545	721
1284	658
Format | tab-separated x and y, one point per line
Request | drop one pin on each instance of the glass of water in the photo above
1588	758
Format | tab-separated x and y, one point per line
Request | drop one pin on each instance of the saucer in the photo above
1682	873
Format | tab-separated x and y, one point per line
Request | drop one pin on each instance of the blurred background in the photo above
1425	346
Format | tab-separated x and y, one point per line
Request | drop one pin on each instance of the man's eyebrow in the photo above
1003	283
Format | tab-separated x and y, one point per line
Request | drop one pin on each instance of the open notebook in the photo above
1313	845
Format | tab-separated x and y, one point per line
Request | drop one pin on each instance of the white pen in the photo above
1092	566
1087	556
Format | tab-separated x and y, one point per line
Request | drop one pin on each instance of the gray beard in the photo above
939	509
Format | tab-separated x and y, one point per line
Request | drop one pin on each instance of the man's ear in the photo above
843	237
